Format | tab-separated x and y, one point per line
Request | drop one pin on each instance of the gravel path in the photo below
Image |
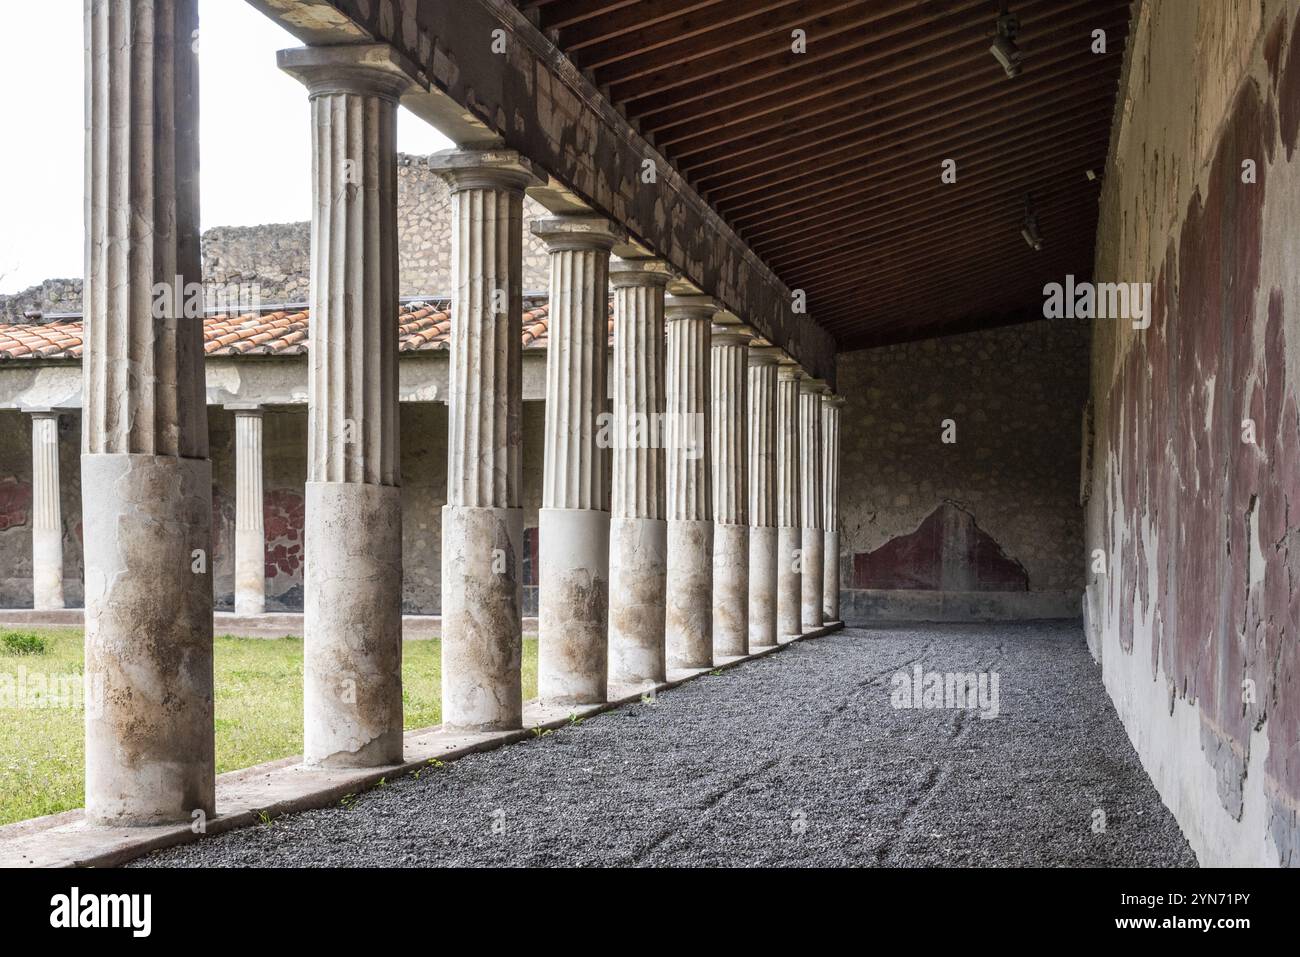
795	759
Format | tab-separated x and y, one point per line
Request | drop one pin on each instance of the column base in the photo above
352	619
688	611
762	587
482	632
250	571
730	590
638	563
789	581
148	667
47	569
811	579
831	576
573	606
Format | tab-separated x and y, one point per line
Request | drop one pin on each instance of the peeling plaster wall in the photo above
1016	395
16	508
1196	620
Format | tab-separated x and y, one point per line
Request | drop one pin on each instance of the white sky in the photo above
256	140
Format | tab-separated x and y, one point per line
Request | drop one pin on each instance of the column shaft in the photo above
810	508
638	532
573	524
688	616
831	406
146	478
352	681
763	532
47	513
483	523
250	536
729	376
789	526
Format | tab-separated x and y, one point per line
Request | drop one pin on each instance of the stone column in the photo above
145	475
482	522
688	616
810	507
831	405
352	675
789	526
729	361
763	533
250	537
573	524
638	531
47	513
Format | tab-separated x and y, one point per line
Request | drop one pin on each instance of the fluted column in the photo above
638	532
763	532
573	523
482	522
831	405
145	475
789	527
729	374
352	674
812	562
250	536
47	513
688	616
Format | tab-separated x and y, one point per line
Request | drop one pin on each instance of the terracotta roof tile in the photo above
422	326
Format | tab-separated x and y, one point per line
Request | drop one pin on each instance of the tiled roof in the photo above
421	326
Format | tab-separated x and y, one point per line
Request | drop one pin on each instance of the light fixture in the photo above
1030	229
1004	48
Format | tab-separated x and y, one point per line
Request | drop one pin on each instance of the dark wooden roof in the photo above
828	162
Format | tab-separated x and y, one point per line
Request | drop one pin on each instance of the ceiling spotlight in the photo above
1004	48
1030	229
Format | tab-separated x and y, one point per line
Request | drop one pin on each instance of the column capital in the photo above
833	401
367	69
245	410
639	272
788	371
731	335
43	412
764	355
811	386
484	169
690	307
577	232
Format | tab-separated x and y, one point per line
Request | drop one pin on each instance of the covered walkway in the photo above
795	759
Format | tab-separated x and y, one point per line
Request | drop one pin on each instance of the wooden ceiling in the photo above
828	162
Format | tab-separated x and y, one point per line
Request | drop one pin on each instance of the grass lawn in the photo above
258	711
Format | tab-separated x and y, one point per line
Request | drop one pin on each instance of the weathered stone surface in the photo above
352	670
573	609
147	484
730	590
482	636
148	667
638	564
763	579
789	584
688	619
688	616
812	567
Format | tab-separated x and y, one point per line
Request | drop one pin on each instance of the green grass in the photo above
258	711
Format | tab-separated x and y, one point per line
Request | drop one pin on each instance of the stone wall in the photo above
51	296
1193	605
987	524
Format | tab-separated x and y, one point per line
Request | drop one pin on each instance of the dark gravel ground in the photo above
795	759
